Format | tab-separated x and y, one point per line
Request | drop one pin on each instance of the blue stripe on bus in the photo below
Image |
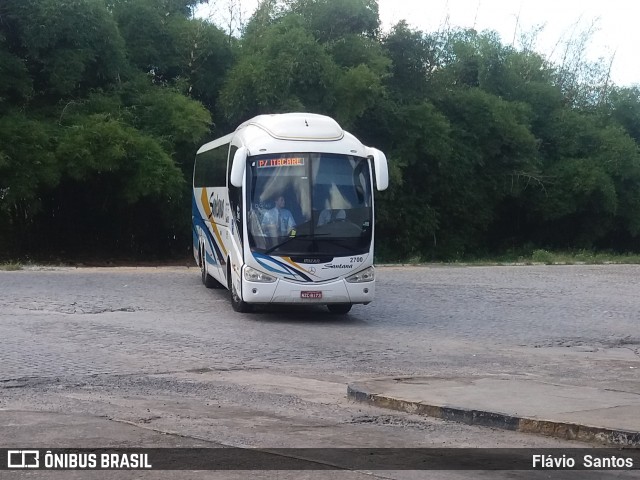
199	221
267	262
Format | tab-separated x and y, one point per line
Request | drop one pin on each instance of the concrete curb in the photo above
566	431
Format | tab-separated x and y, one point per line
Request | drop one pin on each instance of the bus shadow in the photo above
294	313
303	314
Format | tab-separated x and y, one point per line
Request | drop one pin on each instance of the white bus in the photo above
283	213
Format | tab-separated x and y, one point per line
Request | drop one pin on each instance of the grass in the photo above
536	257
540	257
579	257
10	266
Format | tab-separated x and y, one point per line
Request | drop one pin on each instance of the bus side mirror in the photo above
380	168
237	167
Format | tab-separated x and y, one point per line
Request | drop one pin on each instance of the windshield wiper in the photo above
304	235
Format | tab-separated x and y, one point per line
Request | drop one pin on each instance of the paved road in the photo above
579	322
151	348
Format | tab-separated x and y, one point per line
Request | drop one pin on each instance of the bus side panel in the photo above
209	202
195	218
198	227
209	224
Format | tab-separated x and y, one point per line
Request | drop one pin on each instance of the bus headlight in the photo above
366	275
253	275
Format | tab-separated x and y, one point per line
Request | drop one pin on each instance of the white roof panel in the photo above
297	126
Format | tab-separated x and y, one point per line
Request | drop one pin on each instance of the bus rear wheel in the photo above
207	280
339	308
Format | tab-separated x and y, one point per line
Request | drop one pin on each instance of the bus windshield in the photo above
309	204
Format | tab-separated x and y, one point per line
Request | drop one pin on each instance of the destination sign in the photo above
281	162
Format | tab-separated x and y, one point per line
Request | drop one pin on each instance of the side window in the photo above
211	168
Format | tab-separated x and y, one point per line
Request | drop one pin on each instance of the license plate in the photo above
310	294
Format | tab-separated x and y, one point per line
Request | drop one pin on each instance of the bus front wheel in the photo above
339	308
237	303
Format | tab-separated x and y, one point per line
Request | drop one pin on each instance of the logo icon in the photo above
23	459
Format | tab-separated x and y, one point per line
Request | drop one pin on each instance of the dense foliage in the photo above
491	148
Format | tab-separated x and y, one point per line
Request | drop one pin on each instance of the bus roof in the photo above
297	126
284	131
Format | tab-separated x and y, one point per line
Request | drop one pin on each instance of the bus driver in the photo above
278	221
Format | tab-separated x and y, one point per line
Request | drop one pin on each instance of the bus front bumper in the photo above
285	292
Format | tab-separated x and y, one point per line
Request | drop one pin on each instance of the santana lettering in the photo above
217	206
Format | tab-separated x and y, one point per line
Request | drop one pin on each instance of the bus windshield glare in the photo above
309	204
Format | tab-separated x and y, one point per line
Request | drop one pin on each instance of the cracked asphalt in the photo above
148	356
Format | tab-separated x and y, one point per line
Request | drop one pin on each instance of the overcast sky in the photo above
615	24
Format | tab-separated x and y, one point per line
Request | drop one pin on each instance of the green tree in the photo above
409	222
288	71
69	46
625	109
163	41
331	20
15	83
28	167
121	151
413	57
494	151
299	57
92	160
103	103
